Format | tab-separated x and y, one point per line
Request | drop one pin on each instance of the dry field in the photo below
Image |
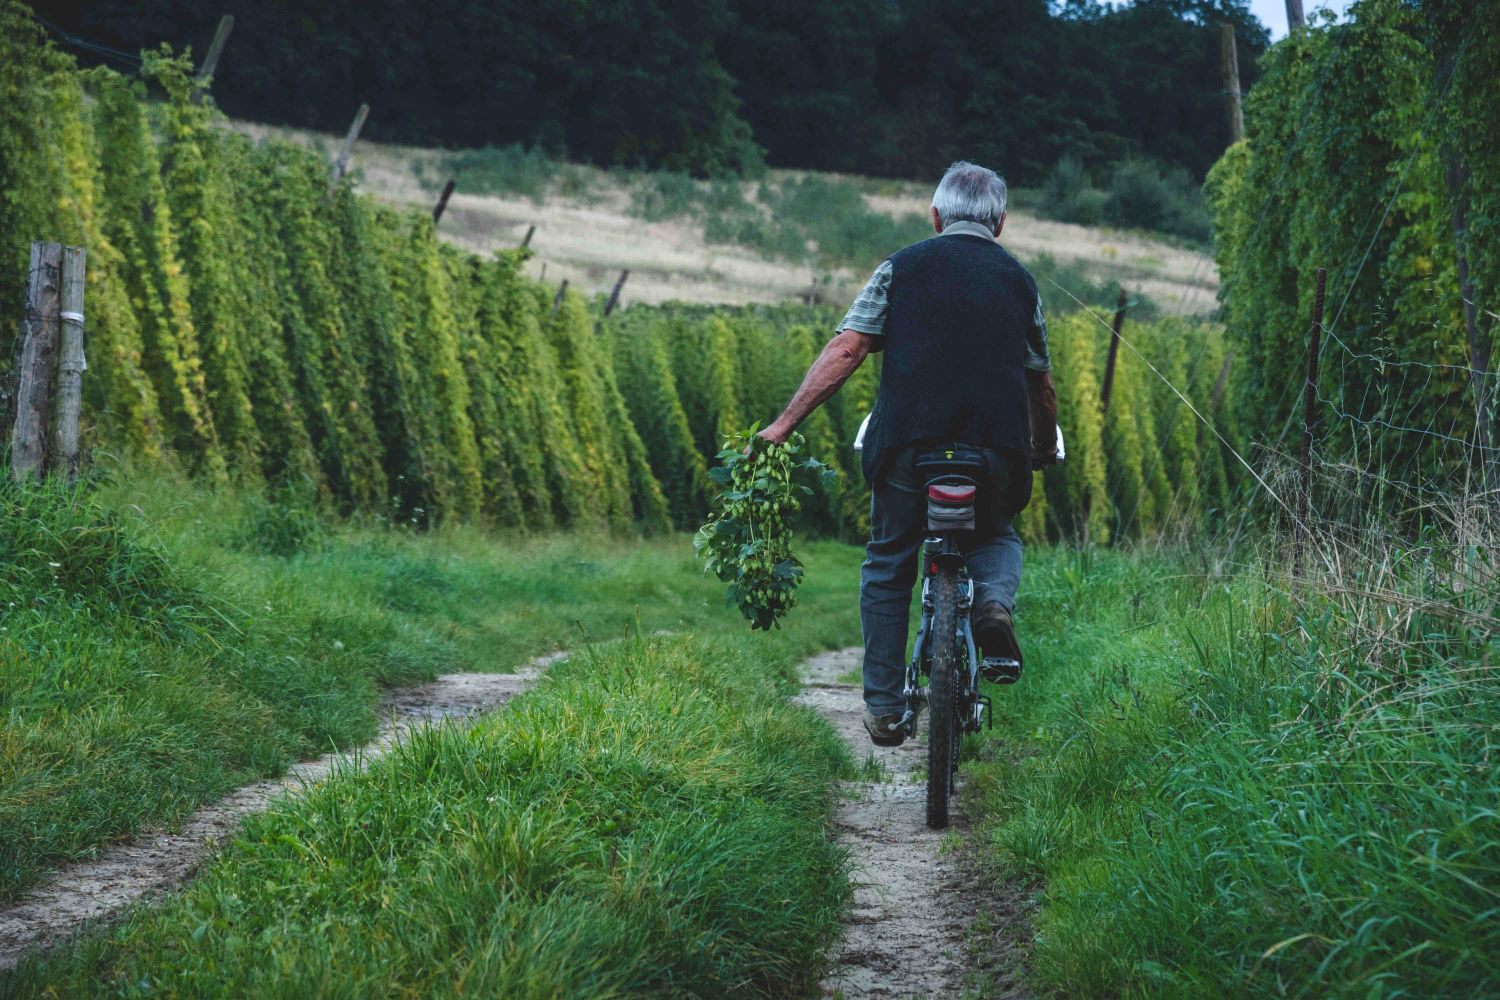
588	237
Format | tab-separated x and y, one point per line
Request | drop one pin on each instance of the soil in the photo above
97	891
925	922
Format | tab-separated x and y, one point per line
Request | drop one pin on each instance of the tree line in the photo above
870	86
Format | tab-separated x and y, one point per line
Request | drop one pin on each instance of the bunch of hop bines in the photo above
747	541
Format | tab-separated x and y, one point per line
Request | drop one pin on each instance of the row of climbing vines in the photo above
250	326
1371	151
693	375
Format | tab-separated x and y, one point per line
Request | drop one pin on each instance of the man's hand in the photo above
776	432
1042	399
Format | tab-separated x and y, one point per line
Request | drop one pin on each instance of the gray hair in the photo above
969	192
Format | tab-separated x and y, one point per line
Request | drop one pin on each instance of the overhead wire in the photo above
69	38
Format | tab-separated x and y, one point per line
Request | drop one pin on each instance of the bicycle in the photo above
944	651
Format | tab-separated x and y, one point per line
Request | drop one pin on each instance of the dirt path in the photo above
156	861
912	932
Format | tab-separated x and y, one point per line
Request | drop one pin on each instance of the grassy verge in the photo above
1227	795
648	821
153	659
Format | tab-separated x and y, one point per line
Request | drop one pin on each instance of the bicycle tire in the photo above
942	698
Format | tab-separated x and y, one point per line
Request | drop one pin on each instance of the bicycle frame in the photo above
942	550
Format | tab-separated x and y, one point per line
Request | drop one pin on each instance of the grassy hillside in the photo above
791	236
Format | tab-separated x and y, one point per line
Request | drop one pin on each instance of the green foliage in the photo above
1352	137
1078	491
137	221
574	844
747	540
1238	796
650	392
285	523
153	659
245	319
1139	194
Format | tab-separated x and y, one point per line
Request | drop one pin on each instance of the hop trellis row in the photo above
248	325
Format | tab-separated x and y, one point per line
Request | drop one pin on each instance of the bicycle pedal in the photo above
1001	669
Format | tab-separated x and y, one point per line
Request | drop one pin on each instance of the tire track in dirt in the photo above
155	861
912	929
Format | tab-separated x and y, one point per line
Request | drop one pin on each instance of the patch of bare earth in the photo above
159	860
924	922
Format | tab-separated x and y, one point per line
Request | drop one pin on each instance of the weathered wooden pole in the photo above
211	61
442	202
561	291
529	234
1229	65
35	356
1309	417
614	296
70	365
342	163
1114	353
614	299
1294	18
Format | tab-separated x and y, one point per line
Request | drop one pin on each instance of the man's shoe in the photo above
884	730
996	636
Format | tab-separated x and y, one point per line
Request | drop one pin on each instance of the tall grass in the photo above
651	821
160	645
1229	793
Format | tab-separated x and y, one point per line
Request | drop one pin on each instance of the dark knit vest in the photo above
955	346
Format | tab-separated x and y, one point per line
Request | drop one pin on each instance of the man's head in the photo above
969	192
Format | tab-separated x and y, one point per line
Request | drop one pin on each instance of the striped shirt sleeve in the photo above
1037	357
871	305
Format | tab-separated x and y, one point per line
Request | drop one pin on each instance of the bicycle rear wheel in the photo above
943	731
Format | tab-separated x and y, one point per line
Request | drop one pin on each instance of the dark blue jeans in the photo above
898	518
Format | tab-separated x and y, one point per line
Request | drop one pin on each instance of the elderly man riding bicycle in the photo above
966	370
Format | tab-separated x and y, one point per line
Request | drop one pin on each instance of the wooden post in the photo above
1309	416
442	204
70	365
1114	352
561	291
1294	18
211	61
34	358
342	163
1213	397
614	299
1229	65
529	234
614	296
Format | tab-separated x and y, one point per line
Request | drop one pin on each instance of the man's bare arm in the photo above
1043	402
840	357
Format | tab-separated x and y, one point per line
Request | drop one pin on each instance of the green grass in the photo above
1228	795
648	821
161	645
